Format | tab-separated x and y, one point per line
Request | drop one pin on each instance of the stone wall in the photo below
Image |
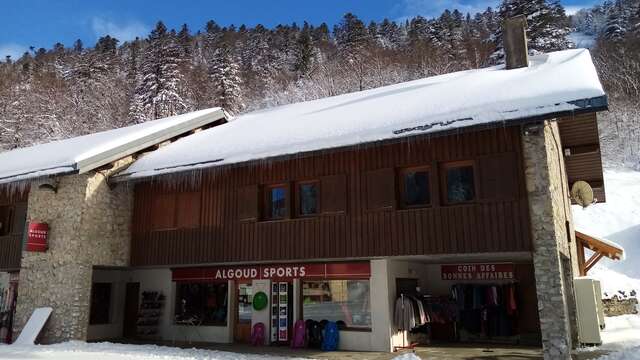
616	306
89	225
554	249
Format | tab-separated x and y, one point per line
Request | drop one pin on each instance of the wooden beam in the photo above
592	261
581	259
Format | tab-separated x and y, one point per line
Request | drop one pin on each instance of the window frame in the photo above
298	198
266	201
403	190
176	197
346	327
444	167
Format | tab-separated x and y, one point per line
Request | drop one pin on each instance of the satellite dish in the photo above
582	193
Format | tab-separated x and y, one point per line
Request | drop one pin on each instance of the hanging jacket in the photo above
404	315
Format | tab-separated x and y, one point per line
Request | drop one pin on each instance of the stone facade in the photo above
554	246
89	225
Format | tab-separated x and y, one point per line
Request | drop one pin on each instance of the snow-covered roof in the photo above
84	153
556	83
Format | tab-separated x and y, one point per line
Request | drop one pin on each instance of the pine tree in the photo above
547	24
157	93
225	80
304	52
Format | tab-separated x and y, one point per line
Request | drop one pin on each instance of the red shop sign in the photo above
37	237
319	271
465	272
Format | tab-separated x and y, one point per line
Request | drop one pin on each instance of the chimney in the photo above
514	36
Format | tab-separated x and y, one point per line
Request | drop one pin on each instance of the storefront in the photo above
489	302
8	296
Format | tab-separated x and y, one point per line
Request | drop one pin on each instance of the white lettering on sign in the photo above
267	273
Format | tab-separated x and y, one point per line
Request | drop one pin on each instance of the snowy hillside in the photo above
618	220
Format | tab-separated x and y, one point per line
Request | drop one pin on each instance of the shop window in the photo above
415	187
5	220
100	303
245	299
459	182
276	204
307	198
343	301
203	303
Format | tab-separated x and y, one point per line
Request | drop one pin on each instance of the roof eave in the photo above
124	150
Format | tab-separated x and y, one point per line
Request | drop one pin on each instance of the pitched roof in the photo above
85	153
557	83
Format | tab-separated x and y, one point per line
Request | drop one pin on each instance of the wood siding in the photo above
11	244
581	147
372	224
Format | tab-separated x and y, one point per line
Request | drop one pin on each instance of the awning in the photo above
600	247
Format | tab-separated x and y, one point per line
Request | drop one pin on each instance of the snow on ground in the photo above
618	220
582	40
77	350
622	337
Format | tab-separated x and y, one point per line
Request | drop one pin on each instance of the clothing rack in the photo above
404	335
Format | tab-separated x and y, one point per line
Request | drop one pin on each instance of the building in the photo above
332	208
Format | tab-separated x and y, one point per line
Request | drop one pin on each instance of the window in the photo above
176	210
415	187
459	182
308	204
346	301
100	303
276	202
206	303
245	300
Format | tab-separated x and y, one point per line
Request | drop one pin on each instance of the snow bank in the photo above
551	84
77	350
63	156
622	337
617	220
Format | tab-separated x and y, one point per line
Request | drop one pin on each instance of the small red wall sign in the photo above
466	272
37	237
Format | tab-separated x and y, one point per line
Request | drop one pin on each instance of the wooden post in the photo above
514	35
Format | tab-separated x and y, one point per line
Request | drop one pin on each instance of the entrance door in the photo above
242	331
131	310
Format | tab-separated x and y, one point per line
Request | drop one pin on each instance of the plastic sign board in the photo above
37	237
355	270
470	272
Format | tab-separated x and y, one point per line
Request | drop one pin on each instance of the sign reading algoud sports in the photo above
351	270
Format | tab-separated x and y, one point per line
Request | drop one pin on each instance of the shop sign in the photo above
357	270
37	237
466	272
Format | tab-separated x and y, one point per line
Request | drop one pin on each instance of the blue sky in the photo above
41	23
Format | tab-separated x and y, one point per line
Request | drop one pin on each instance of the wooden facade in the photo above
13	213
581	150
220	220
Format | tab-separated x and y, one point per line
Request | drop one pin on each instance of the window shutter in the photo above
381	190
333	193
248	203
188	209
163	212
19	218
498	177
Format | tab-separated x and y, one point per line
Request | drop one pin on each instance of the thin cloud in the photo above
123	32
13	50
